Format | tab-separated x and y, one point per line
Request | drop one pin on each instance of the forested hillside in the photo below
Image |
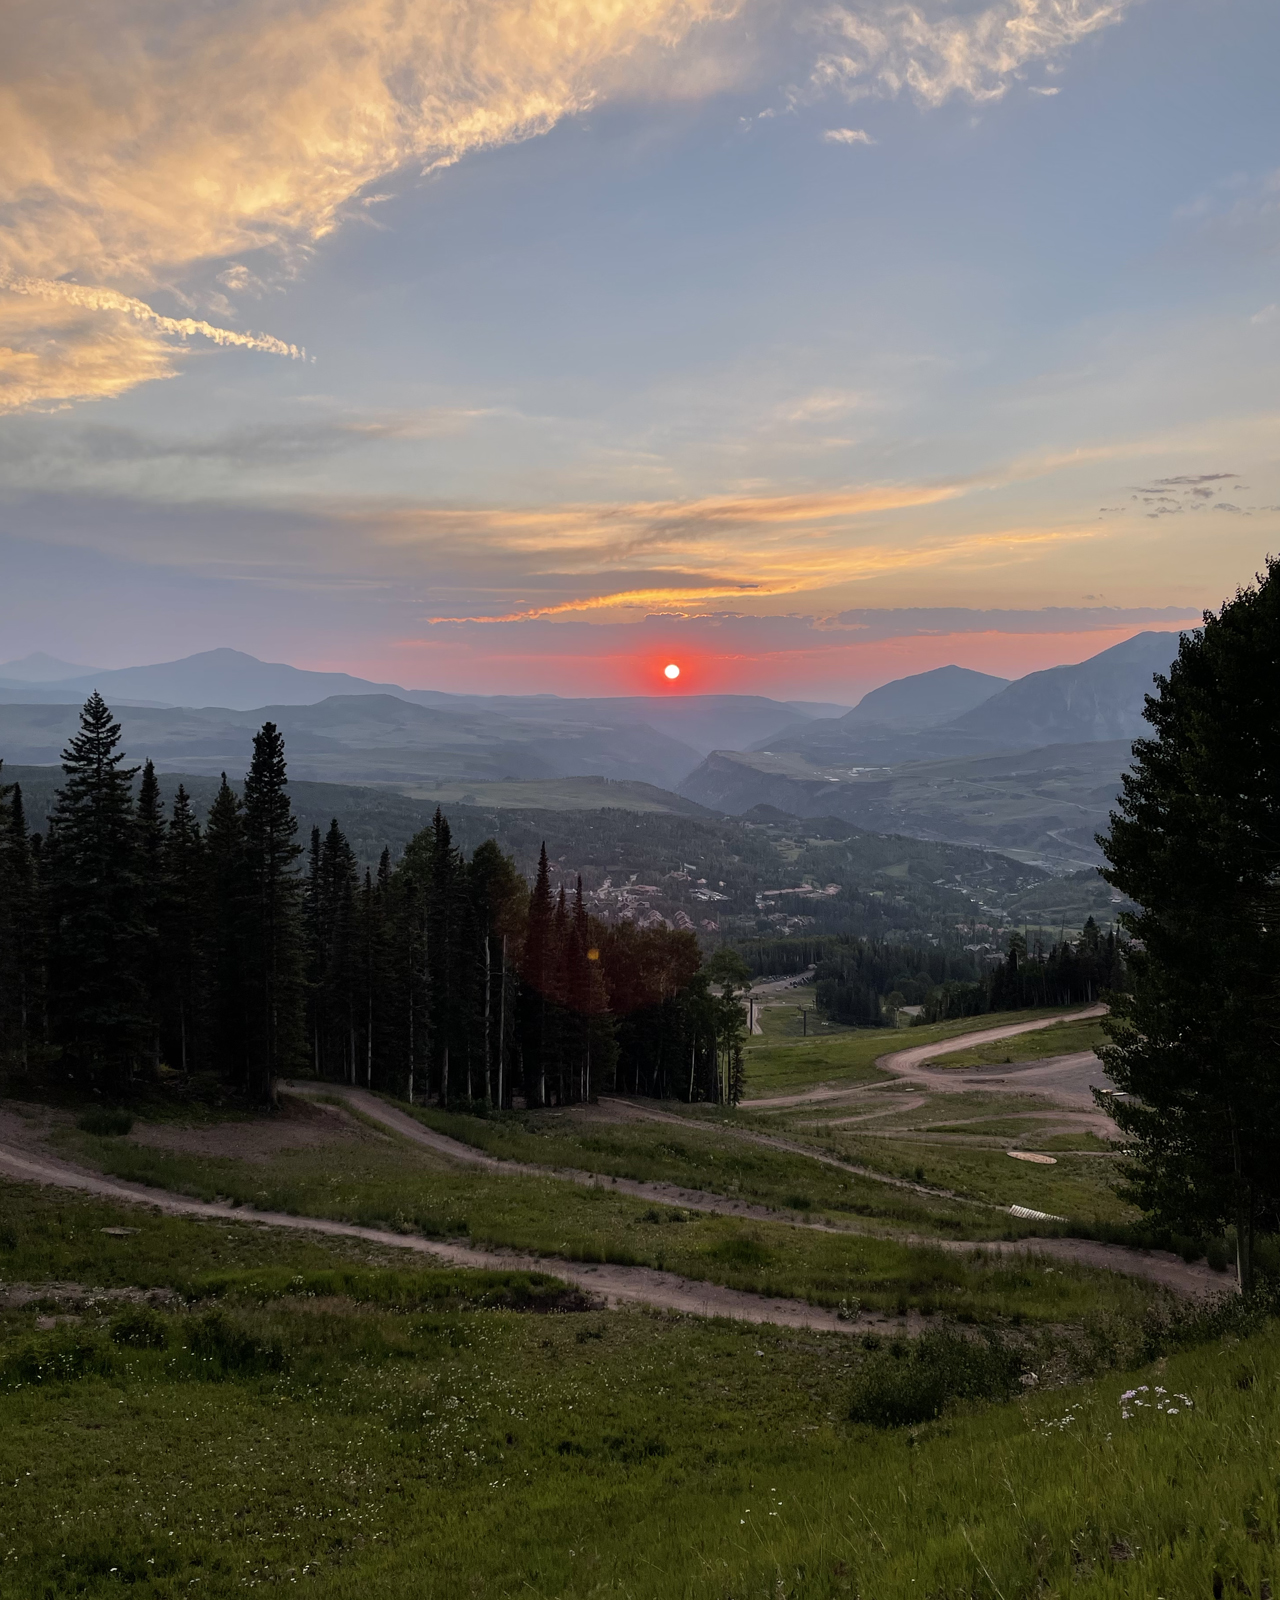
138	943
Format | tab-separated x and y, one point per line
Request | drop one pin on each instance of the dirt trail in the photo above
907	1064
614	1285
666	1194
772	1141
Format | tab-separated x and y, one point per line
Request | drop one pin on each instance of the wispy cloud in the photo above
931	52
136	146
848	136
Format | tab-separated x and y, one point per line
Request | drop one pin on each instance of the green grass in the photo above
361	1442
705	1154
1067	1038
1079	1185
849	1058
392	1186
55	1235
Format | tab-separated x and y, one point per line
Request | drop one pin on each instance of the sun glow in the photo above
671	671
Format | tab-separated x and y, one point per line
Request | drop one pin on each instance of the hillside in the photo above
373	738
1040	805
240	682
1097	700
648	855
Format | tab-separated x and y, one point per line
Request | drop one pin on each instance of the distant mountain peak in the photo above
924	700
40	668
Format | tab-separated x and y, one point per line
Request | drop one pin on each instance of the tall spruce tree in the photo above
184	940
152	893
450	974
228	911
97	932
536	999
274	993
498	895
21	956
1196	843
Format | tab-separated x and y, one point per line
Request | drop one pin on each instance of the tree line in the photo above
139	947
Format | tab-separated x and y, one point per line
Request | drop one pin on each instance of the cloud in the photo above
140	140
847	136
1187	491
932	53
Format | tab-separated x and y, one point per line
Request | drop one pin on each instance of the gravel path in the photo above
1158	1266
613	1285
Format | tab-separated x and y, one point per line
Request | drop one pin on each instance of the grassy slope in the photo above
475	1452
702	1155
1067	1038
396	1186
848	1057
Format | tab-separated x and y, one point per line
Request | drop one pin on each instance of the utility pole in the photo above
804	1022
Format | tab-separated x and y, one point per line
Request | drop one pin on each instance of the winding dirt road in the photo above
1050	1076
614	1284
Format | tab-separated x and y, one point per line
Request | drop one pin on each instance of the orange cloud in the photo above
134	146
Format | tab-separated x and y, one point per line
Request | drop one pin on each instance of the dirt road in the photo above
614	1285
1048	1076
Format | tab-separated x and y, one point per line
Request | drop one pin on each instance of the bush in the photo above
913	1383
61	1358
140	1328
740	1251
231	1350
440	1288
105	1121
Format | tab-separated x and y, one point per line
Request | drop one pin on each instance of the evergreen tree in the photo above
1196	843
21	954
183	944
450	975
152	894
274	994
497	895
97	935
229	910
535	984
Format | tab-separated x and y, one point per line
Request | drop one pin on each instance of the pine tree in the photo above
450	979
274	993
152	894
21	964
535	982
229	910
183	952
98	999
1196	843
497	895
335	955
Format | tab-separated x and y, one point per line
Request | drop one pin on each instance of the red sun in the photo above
671	671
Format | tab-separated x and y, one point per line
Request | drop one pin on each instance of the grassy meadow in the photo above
779	1061
1065	1038
193	1406
385	1183
302	1412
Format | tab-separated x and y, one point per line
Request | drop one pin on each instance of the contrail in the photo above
77	294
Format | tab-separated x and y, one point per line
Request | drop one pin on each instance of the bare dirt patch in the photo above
297	1125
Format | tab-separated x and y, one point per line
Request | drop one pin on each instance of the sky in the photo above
526	345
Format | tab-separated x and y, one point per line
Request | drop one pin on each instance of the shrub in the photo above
913	1383
60	1358
231	1350
740	1251
140	1328
105	1121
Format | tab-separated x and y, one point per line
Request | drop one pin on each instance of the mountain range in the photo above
1031	766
